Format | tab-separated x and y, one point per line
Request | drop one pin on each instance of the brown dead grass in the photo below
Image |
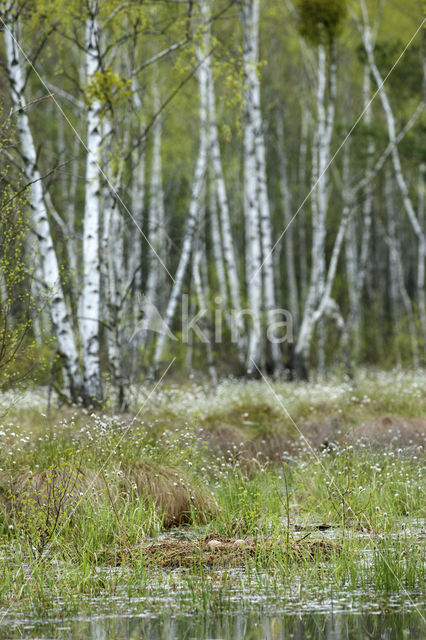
54	488
391	430
174	495
235	443
249	421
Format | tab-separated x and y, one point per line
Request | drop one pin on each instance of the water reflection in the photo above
340	626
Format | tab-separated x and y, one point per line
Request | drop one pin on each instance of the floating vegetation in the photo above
217	551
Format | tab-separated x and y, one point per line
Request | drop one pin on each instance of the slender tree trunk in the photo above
217	251
134	235
390	121
193	213
50	274
320	160
156	218
421	258
252	95
138	203
90	307
289	236
367	208
113	272
302	172
394	295
202	303
222	202
249	14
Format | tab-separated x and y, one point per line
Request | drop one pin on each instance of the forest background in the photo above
233	187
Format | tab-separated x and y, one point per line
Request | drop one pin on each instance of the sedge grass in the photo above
371	497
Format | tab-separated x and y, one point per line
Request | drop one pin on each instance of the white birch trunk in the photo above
223	232
421	259
217	251
60	317
302	172
202	304
367	206
320	160
394	295
390	122
252	95
193	212
90	306
328	307
249	10
138	200
222	202
289	236
133	234
113	272
156	218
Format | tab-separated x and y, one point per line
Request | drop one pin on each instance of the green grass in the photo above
59	545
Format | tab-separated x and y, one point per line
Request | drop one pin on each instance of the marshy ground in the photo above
239	506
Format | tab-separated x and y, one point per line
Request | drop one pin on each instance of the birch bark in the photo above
50	275
218	251
193	211
289	236
90	305
156	216
421	258
222	203
202	304
113	270
320	160
390	122
249	15
138	198
250	21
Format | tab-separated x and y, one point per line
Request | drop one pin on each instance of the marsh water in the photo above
227	604
243	625
239	607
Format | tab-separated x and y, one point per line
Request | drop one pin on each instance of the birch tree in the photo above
192	220
321	28
259	263
50	273
396	161
156	218
90	307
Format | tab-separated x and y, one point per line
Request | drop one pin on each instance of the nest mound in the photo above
218	551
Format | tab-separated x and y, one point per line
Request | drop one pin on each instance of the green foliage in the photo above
16	304
109	88
45	504
320	21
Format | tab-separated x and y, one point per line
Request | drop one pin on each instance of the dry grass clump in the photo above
61	489
396	430
52	489
171	491
217	551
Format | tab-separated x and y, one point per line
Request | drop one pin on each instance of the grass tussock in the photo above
42	499
177	499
